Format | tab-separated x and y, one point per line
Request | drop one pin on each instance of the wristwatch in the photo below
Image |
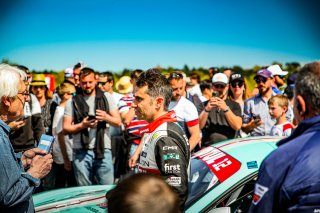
227	110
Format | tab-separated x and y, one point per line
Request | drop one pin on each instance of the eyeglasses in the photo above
219	86
259	80
235	83
25	93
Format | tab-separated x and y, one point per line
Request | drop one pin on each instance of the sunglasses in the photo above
175	76
102	83
281	76
219	86
235	83
259	80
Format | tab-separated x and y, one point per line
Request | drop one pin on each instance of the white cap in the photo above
276	70
220	78
68	73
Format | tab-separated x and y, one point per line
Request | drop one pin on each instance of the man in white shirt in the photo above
186	112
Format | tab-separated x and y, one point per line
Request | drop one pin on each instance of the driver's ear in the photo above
159	101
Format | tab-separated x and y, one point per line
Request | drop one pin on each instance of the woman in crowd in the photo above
62	148
238	89
238	92
44	95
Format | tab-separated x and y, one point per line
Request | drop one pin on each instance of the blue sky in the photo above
113	35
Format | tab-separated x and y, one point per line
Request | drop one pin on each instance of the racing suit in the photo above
289	178
165	151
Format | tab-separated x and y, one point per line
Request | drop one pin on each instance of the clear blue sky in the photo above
117	34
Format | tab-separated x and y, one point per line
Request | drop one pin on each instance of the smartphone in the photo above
92	117
22	118
256	118
46	142
215	94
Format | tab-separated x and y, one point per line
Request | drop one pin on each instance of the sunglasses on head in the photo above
235	83
259	80
219	86
175	76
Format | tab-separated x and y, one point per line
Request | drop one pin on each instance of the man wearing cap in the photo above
278	78
220	117
256	118
86	117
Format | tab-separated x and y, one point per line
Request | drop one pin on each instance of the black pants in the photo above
64	178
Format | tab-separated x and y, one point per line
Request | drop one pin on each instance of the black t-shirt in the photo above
217	127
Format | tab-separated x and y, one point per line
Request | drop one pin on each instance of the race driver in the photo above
164	149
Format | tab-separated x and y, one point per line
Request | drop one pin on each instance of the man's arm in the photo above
194	136
113	118
173	163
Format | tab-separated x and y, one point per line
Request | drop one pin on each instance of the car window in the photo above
239	198
201	180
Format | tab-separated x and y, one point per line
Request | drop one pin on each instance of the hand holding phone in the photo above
256	118
215	94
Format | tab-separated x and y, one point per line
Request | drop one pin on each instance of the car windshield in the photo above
201	180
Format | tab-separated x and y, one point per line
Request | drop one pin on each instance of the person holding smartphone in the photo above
20	172
220	117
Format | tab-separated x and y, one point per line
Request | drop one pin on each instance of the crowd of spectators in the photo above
97	131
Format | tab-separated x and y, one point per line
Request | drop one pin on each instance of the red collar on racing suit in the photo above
168	117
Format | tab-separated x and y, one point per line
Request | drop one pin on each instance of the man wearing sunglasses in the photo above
278	78
256	118
221	117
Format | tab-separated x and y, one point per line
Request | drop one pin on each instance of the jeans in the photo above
89	171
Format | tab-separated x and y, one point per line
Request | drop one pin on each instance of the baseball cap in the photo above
220	78
68	73
264	73
276	70
236	77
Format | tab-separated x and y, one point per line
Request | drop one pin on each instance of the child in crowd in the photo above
278	106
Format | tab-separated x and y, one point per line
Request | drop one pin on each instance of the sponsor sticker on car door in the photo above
220	163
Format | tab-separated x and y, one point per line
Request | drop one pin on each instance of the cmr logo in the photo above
170	169
170	148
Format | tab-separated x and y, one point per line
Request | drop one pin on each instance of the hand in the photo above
17	124
133	160
28	155
40	166
255	123
86	123
101	115
67	164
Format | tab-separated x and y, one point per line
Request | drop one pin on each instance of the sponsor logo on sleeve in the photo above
170	148
171	169
259	192
144	154
170	156
174	181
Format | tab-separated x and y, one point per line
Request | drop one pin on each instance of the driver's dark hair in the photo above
157	84
308	86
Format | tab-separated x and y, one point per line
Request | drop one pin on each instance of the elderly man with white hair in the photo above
17	185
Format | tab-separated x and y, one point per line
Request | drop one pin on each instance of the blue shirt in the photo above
289	178
258	106
16	186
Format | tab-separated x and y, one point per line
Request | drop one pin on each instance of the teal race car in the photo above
222	179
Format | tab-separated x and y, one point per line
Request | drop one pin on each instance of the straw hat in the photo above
124	85
38	80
